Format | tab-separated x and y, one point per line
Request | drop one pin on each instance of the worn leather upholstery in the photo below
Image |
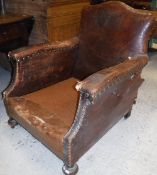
69	117
106	41
46	115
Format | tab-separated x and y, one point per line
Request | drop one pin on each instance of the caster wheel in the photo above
70	170
12	123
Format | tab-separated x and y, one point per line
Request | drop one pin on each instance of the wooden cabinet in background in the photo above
55	20
64	20
14	33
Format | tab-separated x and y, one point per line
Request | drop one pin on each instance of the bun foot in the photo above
12	123
70	170
126	116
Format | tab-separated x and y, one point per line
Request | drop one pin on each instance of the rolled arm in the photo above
104	78
105	97
41	65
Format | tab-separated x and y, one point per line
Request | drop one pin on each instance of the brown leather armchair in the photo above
69	94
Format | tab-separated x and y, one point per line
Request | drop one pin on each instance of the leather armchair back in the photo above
108	38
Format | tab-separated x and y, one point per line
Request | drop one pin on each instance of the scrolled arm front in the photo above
105	97
41	65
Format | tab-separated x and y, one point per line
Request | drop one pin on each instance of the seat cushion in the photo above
48	113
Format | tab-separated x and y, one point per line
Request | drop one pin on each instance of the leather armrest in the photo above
41	65
101	80
105	97
35	50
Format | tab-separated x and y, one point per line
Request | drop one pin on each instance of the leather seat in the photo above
49	111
